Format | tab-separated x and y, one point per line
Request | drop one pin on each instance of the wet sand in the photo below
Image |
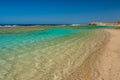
104	64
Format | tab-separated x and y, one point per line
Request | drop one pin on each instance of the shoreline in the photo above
88	70
104	63
109	67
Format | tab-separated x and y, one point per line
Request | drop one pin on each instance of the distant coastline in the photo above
105	24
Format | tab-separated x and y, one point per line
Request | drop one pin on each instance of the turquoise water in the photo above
49	34
8	42
13	39
41	55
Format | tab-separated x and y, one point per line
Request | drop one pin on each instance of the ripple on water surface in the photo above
51	54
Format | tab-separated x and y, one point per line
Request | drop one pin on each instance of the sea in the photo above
51	54
18	25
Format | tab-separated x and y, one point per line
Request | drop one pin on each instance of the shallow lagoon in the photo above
50	54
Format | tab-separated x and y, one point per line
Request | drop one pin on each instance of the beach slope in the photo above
103	64
110	58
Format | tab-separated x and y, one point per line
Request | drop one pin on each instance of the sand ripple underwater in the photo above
50	54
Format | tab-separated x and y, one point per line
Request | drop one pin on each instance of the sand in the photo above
103	64
110	58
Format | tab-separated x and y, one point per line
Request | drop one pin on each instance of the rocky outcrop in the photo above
104	24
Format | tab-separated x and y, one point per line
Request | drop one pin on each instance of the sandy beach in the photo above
103	65
109	61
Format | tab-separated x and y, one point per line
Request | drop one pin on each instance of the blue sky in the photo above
58	11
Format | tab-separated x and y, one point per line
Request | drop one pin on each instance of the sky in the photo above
58	11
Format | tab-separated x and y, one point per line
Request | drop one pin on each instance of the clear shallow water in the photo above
13	40
46	55
6	40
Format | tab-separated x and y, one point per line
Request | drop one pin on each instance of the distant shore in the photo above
105	24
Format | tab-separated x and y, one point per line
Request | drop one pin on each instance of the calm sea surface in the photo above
50	54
